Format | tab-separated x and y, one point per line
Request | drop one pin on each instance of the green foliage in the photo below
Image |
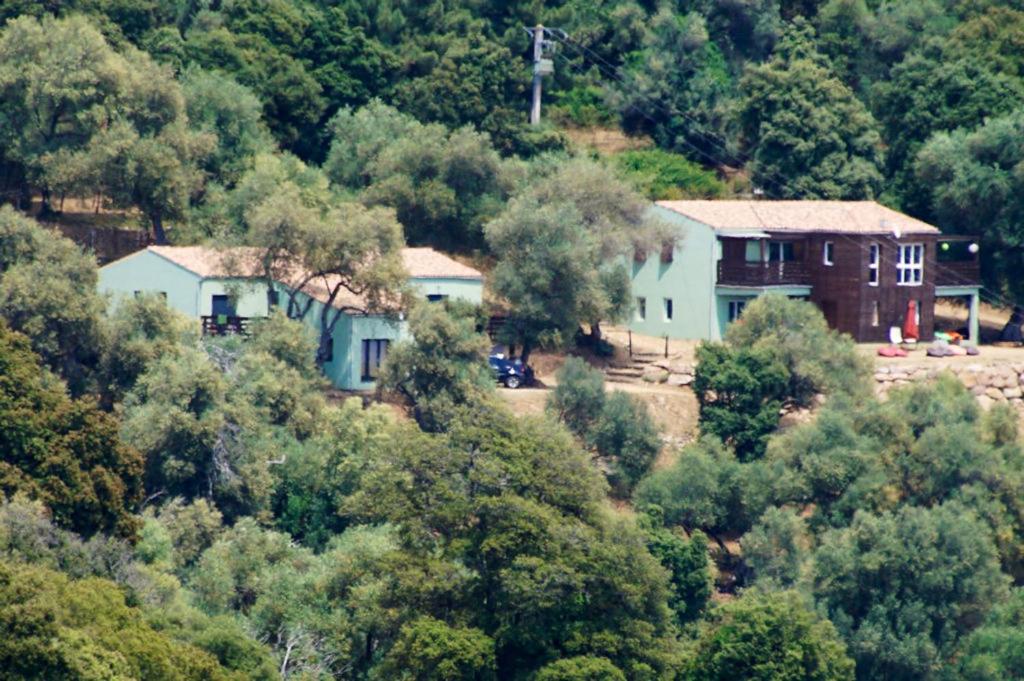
442	368
904	588
61	451
430	650
970	183
581	669
807	134
580	221
818	359
578	396
443	185
994	650
79	116
61	318
618	426
687	562
740	391
661	175
218	105
768	636
776	548
59	628
517	501
140	330
706	488
626	434
316	477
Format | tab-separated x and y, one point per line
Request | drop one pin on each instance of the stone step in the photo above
624	372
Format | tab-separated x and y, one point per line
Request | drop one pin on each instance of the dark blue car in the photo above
511	373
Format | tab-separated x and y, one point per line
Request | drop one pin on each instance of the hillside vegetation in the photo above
179	506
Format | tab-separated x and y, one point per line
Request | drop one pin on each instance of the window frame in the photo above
382	345
906	269
828	255
735	309
874	260
667	309
641	308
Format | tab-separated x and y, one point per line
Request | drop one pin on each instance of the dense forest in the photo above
179	506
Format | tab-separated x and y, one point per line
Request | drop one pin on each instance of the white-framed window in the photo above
874	256
641	309
828	253
667	309
910	265
736	309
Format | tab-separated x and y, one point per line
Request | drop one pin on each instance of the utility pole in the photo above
538	52
541	66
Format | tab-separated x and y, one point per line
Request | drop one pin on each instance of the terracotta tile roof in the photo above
838	217
207	262
420	263
426	263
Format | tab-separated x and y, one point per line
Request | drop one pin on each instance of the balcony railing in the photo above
792	272
225	325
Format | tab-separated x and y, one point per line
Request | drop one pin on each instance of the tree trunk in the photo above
527	349
595	334
323	350
159	235
45	209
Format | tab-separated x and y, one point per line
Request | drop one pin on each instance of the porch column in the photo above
972	318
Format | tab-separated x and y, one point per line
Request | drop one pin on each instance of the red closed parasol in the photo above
910	330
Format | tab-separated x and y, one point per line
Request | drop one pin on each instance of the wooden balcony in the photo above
225	325
739	273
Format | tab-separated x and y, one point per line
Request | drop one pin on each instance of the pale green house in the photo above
196	281
866	266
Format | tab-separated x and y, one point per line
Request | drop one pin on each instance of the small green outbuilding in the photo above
197	281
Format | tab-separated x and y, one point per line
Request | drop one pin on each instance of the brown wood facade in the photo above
843	289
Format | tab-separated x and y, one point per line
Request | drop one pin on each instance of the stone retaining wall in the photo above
991	383
1003	382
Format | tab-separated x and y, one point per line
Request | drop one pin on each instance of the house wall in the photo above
688	280
251	300
146	271
471	290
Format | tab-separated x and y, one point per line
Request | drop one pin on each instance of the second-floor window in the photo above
873	258
668	309
781	251
641	309
910	265
829	253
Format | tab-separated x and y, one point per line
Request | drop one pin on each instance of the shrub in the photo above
579	396
740	391
625	432
661	174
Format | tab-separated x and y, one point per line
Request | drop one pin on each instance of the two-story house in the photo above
860	262
201	284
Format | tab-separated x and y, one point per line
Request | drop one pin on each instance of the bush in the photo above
707	488
740	391
769	636
579	396
625	433
661	175
818	359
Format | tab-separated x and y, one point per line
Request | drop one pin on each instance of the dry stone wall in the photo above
990	382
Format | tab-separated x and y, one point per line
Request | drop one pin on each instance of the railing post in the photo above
630	333
666	346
